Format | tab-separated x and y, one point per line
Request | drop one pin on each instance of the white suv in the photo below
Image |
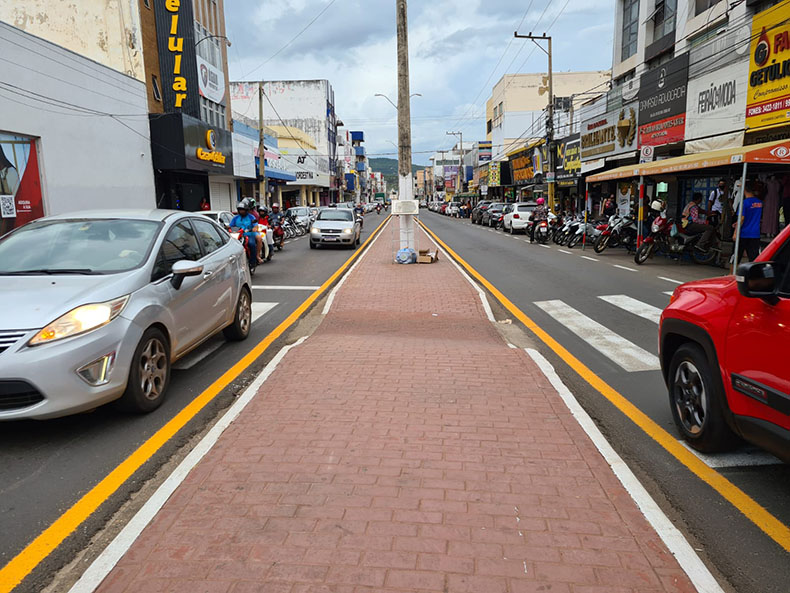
517	217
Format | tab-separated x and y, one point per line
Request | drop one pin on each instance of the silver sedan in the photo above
96	306
336	226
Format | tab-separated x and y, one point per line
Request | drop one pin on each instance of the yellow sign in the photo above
211	154
175	45
768	100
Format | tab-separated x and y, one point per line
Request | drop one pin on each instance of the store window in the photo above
664	18
155	88
630	28
703	5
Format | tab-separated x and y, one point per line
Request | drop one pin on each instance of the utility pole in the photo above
261	167
550	110
405	185
461	170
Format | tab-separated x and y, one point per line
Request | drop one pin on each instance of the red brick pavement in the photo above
402	447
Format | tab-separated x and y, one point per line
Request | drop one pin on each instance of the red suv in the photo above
725	354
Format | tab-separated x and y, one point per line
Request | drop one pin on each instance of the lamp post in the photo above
390	100
227	41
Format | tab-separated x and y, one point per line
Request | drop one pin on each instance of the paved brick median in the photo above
402	447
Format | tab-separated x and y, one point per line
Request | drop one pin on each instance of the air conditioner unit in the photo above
400	207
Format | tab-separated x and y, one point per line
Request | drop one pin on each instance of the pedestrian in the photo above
750	222
610	207
204	204
716	201
691	220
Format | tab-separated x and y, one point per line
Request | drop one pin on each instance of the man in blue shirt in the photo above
246	222
750	222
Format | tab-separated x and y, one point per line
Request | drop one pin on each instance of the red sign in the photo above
665	131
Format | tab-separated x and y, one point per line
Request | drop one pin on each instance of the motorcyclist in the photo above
263	214
378	208
254	209
692	221
275	216
245	222
538	214
359	210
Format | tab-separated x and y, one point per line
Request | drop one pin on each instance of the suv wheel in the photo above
697	405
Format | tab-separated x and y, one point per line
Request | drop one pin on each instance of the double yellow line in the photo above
770	525
13	573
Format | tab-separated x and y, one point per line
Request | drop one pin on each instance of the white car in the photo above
453	209
517	217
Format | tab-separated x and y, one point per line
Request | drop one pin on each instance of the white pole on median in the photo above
736	253
405	185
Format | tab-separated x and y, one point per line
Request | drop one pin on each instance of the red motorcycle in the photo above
250	248
665	237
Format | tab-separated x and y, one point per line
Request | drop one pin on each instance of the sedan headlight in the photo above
315	230
348	231
80	320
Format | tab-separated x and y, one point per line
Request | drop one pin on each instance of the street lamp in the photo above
213	37
393	104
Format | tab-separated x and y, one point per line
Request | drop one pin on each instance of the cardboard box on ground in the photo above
427	257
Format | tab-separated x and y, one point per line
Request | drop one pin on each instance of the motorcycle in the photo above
279	236
619	231
666	237
591	230
542	232
250	248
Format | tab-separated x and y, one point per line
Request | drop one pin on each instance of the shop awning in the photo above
281	175
774	153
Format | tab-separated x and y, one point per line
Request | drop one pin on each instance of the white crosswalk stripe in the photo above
634	306
625	353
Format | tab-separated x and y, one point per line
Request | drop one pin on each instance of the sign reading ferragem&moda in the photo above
768	101
662	103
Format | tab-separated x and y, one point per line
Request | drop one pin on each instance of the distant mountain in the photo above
389	169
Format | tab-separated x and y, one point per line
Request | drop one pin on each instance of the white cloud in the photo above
454	46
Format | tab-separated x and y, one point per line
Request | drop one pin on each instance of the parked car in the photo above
223	217
453	209
96	307
723	348
477	211
517	217
336	226
492	213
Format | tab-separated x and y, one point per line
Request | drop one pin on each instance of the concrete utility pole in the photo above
461	170
405	185
261	167
550	110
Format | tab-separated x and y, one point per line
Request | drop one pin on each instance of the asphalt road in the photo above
46	466
562	290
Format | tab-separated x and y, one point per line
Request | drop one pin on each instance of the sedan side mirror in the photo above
757	280
182	269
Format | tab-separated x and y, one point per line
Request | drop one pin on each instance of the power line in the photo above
294	38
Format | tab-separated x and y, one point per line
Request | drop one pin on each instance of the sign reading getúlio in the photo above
768	101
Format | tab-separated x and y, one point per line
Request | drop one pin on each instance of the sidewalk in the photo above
403	447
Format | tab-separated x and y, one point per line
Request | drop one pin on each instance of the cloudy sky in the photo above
454	48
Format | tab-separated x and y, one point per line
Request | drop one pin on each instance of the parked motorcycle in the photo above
666	237
621	230
590	229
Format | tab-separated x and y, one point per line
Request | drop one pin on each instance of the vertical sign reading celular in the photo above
175	34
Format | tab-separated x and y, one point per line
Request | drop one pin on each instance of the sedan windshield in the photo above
342	215
300	211
101	246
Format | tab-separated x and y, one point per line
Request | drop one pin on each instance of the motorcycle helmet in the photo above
657	205
275	205
244	205
541	201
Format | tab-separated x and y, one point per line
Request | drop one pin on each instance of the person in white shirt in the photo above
716	203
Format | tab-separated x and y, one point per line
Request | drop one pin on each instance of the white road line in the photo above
589	258
678	545
261	309
259	287
546	246
634	306
626	354
670	280
333	292
625	268
106	561
669	292
563	251
199	354
747	458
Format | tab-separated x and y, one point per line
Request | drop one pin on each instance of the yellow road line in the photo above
19	567
770	525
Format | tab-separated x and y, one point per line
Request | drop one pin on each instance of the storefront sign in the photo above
177	57
717	105
211	81
494	174
662	103
768	101
521	163
484	150
212	154
568	164
609	134
182	142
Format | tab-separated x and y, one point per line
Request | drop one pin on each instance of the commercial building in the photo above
185	55
74	119
360	166
307	105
